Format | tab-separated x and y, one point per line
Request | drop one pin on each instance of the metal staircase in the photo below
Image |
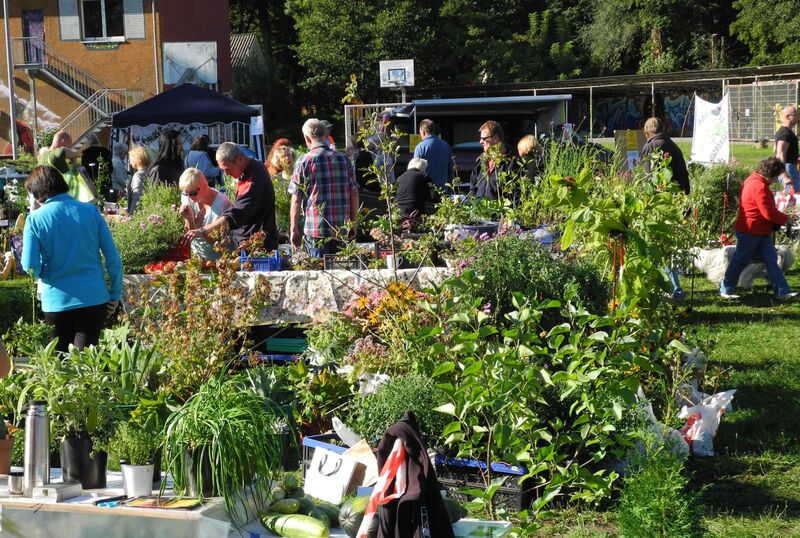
98	102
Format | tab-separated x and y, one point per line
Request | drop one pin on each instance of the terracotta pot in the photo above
5	453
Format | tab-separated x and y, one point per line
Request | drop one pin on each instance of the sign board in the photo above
629	143
711	137
394	73
194	61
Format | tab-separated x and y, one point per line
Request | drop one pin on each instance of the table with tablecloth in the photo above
309	296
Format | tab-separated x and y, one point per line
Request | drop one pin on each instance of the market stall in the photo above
192	111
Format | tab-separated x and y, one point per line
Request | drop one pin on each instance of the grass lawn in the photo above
744	152
752	486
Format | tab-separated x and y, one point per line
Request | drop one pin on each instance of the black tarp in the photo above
185	104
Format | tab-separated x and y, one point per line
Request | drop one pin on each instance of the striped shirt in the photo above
324	179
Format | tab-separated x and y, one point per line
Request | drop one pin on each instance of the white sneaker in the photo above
787	296
730	296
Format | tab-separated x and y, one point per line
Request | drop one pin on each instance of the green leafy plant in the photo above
133	444
235	435
655	501
145	236
23	338
714	197
318	392
196	321
82	394
372	414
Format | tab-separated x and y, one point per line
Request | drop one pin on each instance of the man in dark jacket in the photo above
413	188
658	140
254	208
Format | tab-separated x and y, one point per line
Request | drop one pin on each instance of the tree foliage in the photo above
314	46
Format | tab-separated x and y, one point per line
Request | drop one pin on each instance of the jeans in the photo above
792	174
746	245
672	275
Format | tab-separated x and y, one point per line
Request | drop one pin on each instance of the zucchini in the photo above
296	493
289	482
329	510
318	514
278	493
285	506
295	526
306	505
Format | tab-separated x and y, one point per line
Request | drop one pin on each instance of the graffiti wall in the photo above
630	112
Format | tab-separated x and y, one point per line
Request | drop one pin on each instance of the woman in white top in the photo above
201	205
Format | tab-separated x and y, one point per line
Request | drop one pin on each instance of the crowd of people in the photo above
64	237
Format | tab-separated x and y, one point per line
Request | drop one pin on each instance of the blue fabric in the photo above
746	245
792	174
200	160
62	243
440	159
673	276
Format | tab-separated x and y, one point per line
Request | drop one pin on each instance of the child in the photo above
140	161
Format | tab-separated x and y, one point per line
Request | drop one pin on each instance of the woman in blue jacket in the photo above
62	243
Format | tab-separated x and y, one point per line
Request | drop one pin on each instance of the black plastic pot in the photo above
78	466
192	487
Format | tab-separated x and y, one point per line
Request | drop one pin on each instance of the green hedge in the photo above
708	188
15	298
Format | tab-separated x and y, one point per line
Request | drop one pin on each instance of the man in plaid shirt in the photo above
323	182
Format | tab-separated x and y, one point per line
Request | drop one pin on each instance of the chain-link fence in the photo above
755	108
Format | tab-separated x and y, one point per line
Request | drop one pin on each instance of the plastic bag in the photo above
702	422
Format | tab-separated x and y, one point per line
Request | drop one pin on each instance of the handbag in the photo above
331	476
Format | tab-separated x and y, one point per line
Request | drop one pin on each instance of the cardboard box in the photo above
629	143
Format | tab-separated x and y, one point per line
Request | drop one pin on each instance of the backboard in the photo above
194	61
396	73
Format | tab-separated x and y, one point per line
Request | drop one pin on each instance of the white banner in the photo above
711	139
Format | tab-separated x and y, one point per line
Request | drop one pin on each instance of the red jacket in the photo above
757	211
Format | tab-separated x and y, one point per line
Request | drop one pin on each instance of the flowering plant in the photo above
145	236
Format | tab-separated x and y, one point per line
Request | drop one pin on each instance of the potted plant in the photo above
225	440
136	447
6	445
81	395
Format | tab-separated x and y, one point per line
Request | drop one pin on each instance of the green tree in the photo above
770	30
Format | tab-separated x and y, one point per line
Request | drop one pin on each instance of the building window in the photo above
102	19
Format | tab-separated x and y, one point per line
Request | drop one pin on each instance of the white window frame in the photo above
105	38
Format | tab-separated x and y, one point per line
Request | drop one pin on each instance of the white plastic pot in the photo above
137	480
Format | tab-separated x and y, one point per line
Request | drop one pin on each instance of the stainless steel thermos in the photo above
37	447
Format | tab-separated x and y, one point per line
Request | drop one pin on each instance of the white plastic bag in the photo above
702	421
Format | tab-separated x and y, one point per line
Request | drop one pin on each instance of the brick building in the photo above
79	61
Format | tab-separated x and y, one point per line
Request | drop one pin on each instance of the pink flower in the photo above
484	237
143	225
487	308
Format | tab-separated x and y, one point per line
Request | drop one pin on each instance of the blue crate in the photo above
270	263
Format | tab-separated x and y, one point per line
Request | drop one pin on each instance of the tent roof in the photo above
185	104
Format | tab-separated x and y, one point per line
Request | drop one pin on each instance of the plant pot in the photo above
137	480
5	453
78	466
192	479
462	231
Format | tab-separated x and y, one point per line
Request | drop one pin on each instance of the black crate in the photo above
334	261
458	473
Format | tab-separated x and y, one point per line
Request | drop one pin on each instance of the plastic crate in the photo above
455	473
265	357
312	442
333	261
270	263
286	345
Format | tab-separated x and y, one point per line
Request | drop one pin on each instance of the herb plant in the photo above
134	445
235	434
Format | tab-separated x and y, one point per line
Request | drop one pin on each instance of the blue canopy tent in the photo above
191	109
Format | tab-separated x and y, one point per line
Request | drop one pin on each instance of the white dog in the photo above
714	262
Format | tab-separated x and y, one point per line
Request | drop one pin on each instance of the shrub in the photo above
654	500
155	198
23	338
151	232
512	263
709	186
16	296
372	414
